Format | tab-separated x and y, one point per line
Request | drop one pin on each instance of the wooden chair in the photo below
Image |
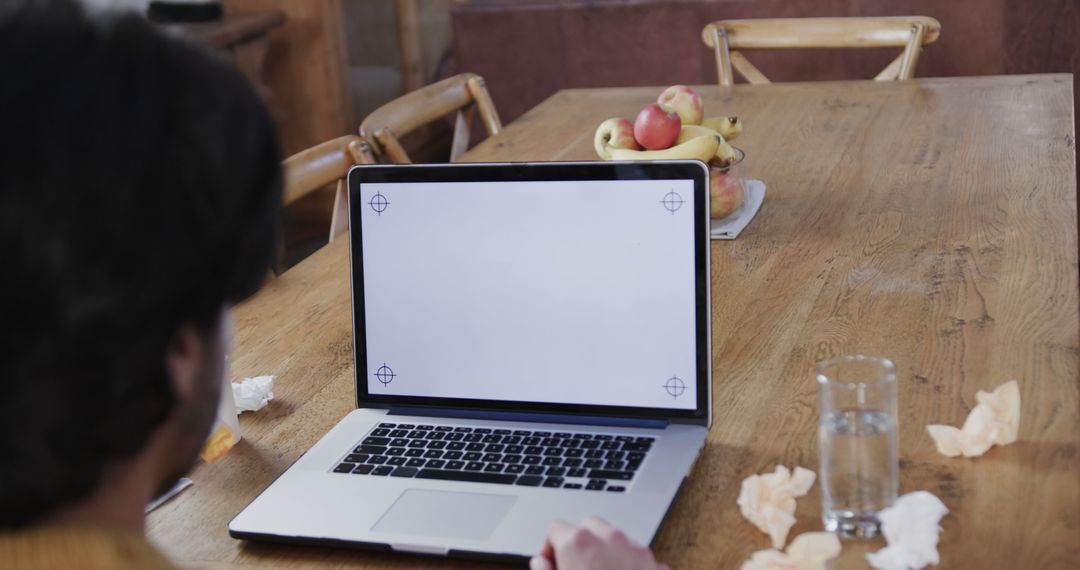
908	32
464	94
322	165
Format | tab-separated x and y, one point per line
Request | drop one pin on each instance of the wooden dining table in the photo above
931	221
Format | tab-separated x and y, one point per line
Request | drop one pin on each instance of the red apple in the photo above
685	101
614	133
726	193
657	127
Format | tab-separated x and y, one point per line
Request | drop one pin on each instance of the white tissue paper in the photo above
768	500
809	551
252	394
995	420
911	531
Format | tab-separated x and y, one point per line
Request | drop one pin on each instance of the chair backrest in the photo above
324	164
908	32
463	94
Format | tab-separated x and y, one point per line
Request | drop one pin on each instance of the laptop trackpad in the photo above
445	514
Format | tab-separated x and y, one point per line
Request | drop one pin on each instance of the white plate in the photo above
731	226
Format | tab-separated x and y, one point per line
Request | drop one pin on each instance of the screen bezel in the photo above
538	172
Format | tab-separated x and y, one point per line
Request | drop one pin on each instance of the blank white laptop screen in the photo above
569	292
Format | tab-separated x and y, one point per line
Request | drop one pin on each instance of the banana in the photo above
700	148
728	127
725	153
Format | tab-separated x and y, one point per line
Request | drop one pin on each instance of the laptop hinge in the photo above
609	421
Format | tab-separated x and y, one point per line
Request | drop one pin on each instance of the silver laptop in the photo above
531	343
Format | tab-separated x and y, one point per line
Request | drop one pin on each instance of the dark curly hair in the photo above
140	191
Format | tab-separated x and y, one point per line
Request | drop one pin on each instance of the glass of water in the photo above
857	434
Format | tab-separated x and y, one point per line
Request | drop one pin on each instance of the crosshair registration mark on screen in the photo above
379	203
385	375
672	201
675	387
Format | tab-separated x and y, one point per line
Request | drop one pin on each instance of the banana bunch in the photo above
673	128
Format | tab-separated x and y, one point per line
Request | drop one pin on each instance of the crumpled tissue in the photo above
809	551
252	394
768	500
995	420
911	530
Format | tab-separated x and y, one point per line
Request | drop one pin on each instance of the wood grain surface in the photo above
930	221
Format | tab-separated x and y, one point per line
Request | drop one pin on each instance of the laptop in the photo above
531	343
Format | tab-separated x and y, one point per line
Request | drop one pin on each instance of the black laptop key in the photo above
611	446
426	428
569	443
553	482
435	435
455	464
514	468
503	432
414	453
572	462
552	452
403	472
531	441
530	480
455	446
382	471
596	485
454	436
511	459
624	438
436	445
481	430
470	476
370	449
542	433
552	461
615	465
635	446
633	465
415	463
515	449
463	429
399	433
531	460
582	436
344	468
534	450
615	489
399	442
635	456
443	428
594	454
493	468
535	470
577	472
417	443
645	439
494	448
380	432
610	474
492	438
556	472
436	463
452	455
563	434
395	451
356	458
594	463
472	456
406	426
363	469
522	432
474	447
549	442
432	454
590	444
474	466
571	486
386	425
615	455
383	441
396	461
491	457
472	438
573	452
511	440
377	459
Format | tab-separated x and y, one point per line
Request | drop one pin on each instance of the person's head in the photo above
140	193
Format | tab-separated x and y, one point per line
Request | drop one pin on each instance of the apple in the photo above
614	133
657	127
685	101
726	193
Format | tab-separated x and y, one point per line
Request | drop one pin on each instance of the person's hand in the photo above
595	545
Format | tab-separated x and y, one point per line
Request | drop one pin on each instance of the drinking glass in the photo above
857	433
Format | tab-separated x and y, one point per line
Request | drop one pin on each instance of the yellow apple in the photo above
726	193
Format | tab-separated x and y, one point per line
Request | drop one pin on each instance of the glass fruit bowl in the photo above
727	187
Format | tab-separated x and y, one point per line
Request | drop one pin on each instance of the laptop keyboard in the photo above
564	460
